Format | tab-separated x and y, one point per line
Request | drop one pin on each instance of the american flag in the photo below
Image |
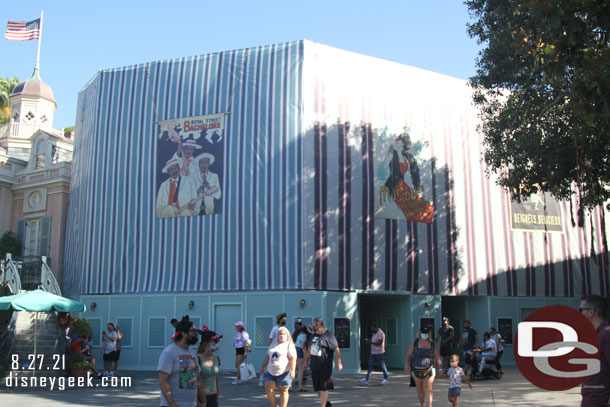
23	30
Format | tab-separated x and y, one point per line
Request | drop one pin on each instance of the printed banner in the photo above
190	157
399	190
540	212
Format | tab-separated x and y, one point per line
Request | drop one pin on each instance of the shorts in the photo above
211	400
322	381
110	357
431	374
240	351
446	349
282	380
300	353
454	391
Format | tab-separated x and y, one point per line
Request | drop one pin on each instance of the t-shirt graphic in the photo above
275	356
315	349
188	372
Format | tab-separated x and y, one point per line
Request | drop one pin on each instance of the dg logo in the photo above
556	348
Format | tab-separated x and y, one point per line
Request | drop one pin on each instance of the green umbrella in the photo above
39	301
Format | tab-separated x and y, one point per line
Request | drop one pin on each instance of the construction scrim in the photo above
301	166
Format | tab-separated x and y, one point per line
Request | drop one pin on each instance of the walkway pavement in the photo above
511	390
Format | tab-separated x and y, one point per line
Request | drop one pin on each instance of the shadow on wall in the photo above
357	206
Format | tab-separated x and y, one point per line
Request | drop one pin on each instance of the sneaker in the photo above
384	382
236	381
364	380
260	382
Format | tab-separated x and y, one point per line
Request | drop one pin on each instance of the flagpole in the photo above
37	66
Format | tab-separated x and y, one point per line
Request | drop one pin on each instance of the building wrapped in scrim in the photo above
302	178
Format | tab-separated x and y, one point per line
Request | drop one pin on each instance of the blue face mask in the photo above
424	336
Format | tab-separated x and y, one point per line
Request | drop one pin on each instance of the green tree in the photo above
6	88
9	244
543	87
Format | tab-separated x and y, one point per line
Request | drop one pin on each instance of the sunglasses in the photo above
582	309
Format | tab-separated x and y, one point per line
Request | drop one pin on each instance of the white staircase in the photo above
49	348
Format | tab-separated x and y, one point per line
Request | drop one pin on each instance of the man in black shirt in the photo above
445	336
322	346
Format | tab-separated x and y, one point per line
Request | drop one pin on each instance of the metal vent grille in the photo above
264	325
156	332
126	327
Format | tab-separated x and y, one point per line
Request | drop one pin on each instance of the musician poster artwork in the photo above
190	156
399	190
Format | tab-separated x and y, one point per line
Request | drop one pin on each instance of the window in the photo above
33	237
263	325
16	117
156	332
40	154
44	119
29	116
54	154
36	233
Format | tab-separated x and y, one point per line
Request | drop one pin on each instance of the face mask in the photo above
192	340
283	337
282	323
453	364
214	347
424	336
237	328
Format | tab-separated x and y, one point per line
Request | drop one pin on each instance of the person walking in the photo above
469	339
445	337
209	366
377	355
419	363
241	342
595	390
178	369
301	336
281	362
455	374
281	321
321	348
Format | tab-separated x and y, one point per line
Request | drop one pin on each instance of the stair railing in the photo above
47	279
9	278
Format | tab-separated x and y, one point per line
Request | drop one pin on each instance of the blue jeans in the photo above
373	360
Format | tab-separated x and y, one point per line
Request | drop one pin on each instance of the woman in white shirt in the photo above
281	362
241	342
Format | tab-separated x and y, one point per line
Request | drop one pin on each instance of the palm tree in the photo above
6	88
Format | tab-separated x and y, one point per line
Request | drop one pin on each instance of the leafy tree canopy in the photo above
9	243
6	88
543	87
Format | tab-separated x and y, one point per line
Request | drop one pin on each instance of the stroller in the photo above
473	358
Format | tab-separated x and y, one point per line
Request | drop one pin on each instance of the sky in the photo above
82	37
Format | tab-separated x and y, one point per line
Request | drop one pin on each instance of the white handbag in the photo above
246	371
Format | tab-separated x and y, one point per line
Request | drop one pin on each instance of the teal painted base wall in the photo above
147	330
